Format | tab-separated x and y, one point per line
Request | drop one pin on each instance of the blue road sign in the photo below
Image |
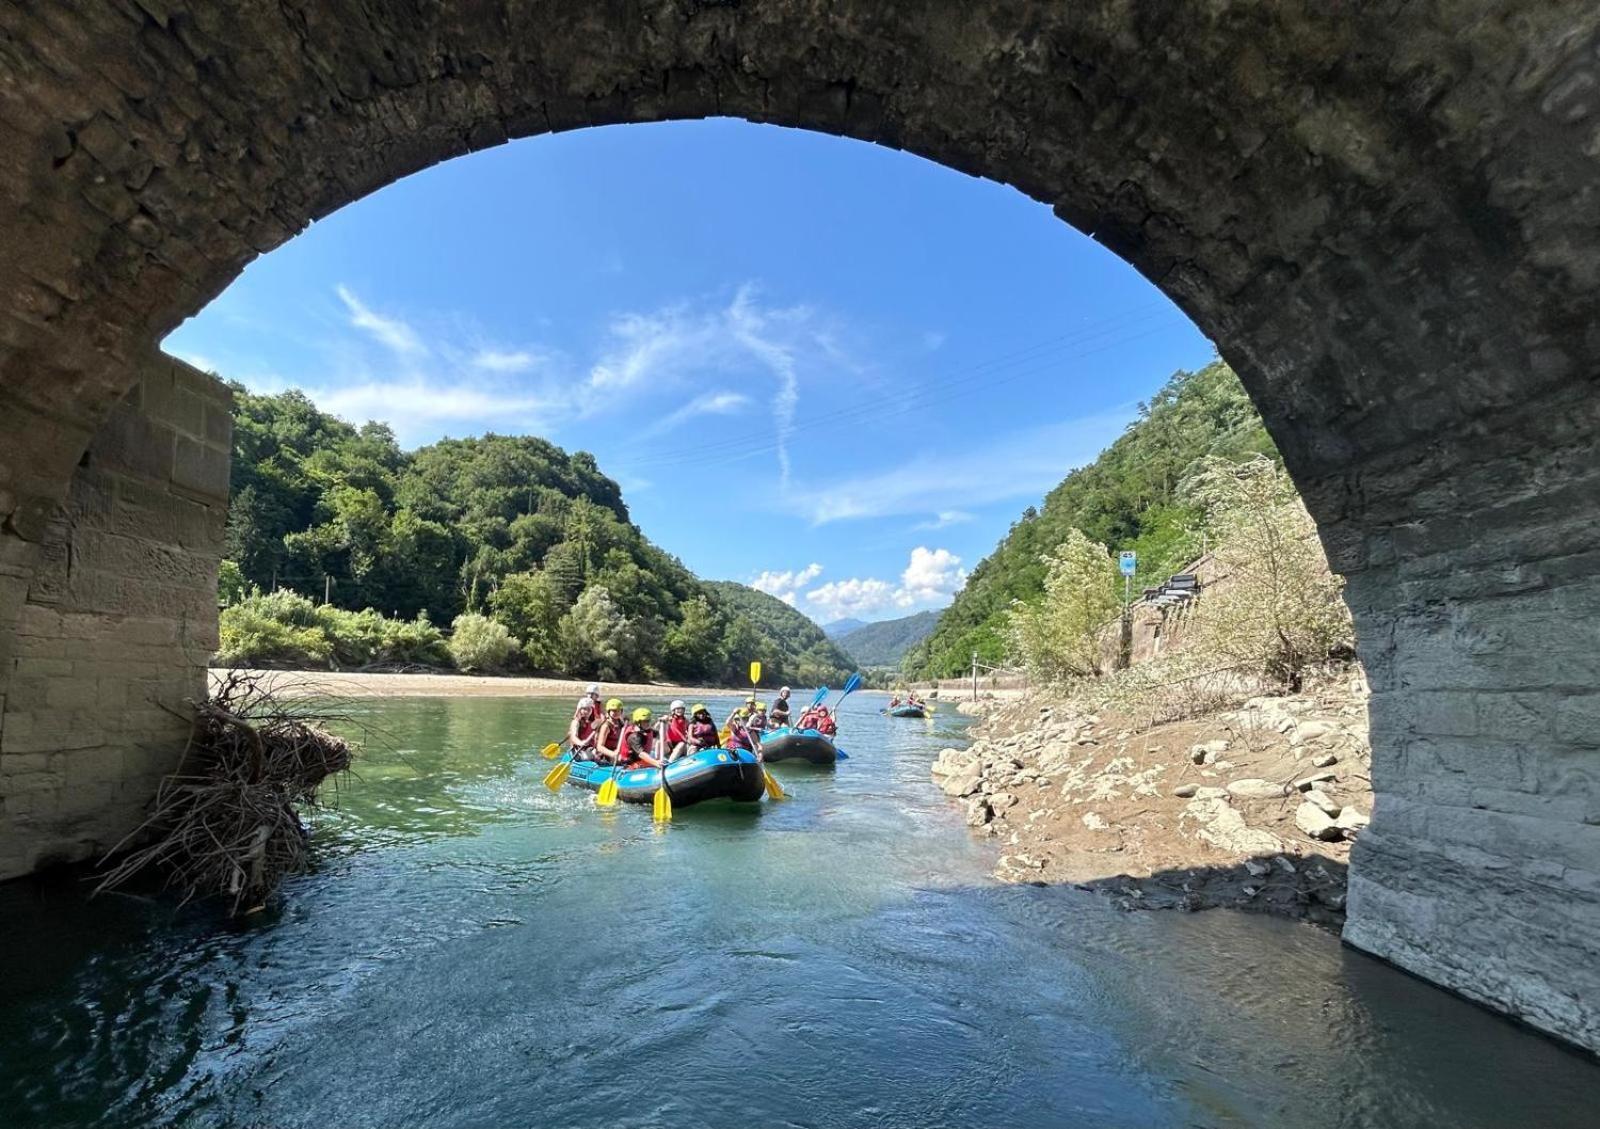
1127	562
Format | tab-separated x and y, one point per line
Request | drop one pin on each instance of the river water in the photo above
475	951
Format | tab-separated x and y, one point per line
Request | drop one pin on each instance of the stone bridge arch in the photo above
1387	217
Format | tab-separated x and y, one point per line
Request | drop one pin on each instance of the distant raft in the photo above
786	744
908	711
711	774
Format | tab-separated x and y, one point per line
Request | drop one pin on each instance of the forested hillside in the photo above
799	651
509	526
1128	498
885	643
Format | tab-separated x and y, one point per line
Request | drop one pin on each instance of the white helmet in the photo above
677	704
785	690
584	701
594	688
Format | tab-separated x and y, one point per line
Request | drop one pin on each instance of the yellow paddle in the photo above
774	789
557	776
551	751
607	796
661	807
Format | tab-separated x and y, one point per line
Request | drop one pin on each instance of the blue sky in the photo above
827	368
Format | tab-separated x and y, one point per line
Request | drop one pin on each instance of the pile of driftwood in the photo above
227	823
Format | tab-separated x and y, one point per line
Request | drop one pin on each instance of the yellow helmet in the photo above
614	704
641	714
698	707
761	705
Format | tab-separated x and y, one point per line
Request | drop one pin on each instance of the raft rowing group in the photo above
723	772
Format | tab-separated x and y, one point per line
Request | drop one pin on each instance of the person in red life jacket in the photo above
808	720
677	732
780	709
608	737
639	742
593	694
581	733
825	723
894	701
702	729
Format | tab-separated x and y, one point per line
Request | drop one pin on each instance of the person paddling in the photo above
677	732
757	724
608	738
780	709
739	736
581	733
702	729
825	724
639	742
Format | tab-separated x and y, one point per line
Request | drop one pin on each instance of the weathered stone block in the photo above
201	469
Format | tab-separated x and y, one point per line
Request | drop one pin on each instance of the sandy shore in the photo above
354	684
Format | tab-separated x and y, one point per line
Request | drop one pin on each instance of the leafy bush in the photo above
1058	636
286	627
231	584
1277	608
479	643
251	633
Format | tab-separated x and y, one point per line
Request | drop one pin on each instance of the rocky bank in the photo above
1252	808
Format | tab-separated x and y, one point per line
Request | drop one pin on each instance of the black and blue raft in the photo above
710	774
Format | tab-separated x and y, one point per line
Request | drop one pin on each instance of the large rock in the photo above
1224	828
963	782
1254	788
977	812
1316	823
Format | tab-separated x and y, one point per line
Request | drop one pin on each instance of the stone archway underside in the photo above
1387	216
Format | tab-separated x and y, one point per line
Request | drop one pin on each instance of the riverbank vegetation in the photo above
503	530
1130	497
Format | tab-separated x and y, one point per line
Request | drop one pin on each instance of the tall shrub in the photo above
1057	637
479	643
1276	607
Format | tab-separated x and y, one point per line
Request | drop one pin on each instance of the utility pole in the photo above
974	676
327	588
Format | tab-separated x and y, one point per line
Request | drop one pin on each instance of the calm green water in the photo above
478	952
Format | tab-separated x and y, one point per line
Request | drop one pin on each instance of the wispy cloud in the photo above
786	585
710	404
944	519
496	360
391	332
751	325
412	403
931	578
1035	460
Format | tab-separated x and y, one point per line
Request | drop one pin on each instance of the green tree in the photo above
531	605
693	646
1058	636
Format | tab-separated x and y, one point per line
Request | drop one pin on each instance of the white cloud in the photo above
415	405
944	519
751	327
647	347
931	577
711	404
786	585
932	574
393	333
1034	460
839	599
494	360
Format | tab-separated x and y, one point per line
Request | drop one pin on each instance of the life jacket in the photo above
616	739
677	730
739	738
703	734
648	739
827	726
586	728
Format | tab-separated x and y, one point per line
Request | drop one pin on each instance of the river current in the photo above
475	951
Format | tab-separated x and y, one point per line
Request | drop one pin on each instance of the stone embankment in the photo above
1253	807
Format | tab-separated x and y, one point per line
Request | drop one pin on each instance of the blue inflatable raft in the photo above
711	774
908	711
799	745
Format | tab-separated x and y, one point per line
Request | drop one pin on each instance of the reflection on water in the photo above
477	951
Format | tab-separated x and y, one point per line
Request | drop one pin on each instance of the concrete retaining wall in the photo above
119	618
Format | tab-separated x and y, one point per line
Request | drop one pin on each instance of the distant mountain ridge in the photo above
840	627
885	643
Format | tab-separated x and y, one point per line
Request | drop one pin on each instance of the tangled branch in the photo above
227	823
